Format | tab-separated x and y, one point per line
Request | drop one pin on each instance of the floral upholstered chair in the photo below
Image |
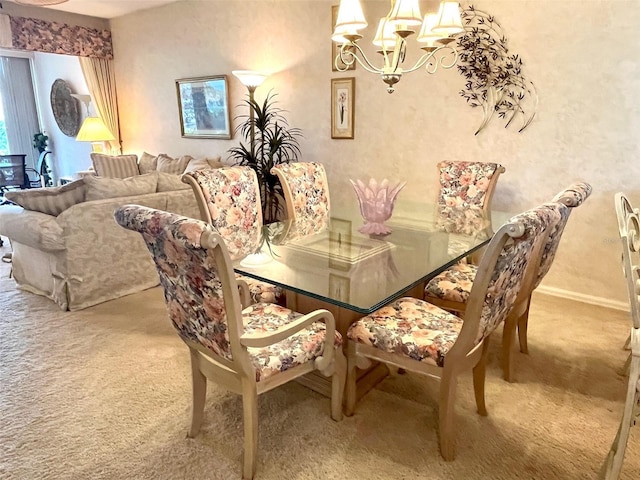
464	200
572	196
451	288
629	226
417	336
306	193
229	199
248	351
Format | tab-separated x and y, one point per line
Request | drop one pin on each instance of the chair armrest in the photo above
245	294
265	339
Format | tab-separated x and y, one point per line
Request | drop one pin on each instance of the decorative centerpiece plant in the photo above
267	141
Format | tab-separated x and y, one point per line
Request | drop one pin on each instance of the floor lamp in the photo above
251	80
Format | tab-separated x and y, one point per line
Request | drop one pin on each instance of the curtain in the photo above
101	81
19	106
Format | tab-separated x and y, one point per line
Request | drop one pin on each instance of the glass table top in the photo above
360	272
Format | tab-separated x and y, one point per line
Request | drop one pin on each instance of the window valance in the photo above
35	35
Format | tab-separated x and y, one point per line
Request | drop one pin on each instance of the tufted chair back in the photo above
229	199
464	199
306	193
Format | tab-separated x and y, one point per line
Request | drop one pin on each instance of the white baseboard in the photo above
581	297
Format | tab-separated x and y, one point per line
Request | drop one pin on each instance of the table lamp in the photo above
95	131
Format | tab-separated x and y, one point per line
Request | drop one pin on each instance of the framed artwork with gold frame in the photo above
343	92
203	103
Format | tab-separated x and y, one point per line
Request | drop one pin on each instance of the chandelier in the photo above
436	31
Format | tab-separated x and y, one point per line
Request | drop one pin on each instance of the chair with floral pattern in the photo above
248	351
450	289
464	199
629	227
229	199
417	336
572	196
306	193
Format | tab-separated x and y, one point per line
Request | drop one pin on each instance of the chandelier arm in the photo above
347	56
431	66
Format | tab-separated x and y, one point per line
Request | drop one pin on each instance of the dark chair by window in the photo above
12	172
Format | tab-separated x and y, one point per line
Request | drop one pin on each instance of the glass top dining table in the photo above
341	266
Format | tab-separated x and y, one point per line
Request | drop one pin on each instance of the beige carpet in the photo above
104	393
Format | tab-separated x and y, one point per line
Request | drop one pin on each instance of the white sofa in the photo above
81	257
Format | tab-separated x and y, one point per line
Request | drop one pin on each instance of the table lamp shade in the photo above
93	129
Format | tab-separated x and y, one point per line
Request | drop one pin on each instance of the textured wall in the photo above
581	56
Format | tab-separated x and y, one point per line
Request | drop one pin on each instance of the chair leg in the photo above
199	387
479	375
508	339
613	463
448	385
337	384
350	387
523	325
250	421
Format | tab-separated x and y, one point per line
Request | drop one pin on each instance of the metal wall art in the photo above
495	80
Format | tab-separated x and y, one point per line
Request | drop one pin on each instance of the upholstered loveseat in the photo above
67	246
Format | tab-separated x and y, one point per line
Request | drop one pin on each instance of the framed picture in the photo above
335	47
343	92
204	107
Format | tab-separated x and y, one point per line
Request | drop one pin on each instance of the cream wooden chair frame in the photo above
629	226
521	304
467	353
239	375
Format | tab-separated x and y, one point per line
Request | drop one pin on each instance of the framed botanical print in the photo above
343	107
203	103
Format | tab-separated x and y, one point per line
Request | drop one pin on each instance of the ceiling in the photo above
107	8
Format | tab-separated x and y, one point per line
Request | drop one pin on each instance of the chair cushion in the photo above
299	348
51	201
115	166
410	327
261	291
453	284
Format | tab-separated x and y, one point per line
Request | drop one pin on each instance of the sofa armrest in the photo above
34	229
